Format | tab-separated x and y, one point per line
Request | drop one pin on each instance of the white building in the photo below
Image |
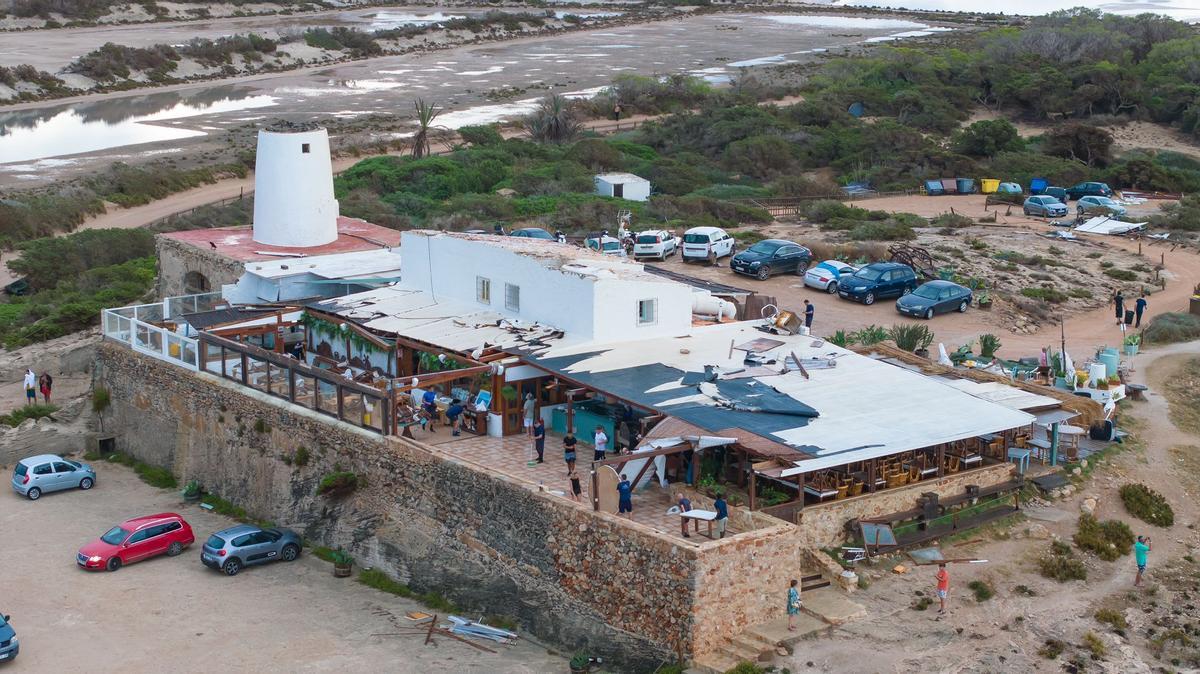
623	186
290	279
293	187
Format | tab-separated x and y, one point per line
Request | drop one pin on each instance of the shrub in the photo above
1094	645
887	230
101	399
1147	505
1052	649
1121	274
824	210
951	220
988	345
223	507
20	414
338	484
1108	540
911	336
1052	295
982	590
301	457
872	334
1061	565
1112	617
1173	327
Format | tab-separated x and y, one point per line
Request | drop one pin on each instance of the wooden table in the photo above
1022	458
701	515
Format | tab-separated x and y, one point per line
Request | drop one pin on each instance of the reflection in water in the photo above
73	129
1183	10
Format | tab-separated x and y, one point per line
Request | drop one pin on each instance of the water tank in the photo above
293	187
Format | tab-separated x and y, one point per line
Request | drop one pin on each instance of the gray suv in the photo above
8	640
49	472
236	547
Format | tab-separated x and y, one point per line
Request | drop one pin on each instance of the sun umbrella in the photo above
1069	367
944	359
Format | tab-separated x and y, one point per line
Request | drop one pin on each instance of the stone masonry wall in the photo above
577	578
176	259
825	525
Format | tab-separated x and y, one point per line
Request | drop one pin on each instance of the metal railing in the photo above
137	326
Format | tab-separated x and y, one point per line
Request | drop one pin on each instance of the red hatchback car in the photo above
137	539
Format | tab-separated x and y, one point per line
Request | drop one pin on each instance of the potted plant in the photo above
191	491
343	563
984	300
580	662
1131	344
988	345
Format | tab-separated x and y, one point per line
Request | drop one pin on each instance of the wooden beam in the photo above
645	467
438	377
622	459
753	480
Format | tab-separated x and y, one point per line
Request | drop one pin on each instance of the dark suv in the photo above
1089	190
878	280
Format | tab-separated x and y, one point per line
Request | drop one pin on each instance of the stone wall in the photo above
825	525
69	354
176	259
64	433
577	578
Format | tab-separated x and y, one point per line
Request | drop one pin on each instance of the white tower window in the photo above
647	312
304	148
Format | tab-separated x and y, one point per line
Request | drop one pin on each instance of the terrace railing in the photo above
138	326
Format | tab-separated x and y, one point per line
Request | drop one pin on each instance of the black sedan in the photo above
771	256
934	297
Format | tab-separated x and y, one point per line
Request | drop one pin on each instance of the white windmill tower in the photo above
293	187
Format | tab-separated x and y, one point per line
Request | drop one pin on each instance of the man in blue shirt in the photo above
625	491
429	404
452	413
809	311
685	504
539	438
1139	307
722	509
1141	550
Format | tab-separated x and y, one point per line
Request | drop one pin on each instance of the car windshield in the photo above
1105	201
115	536
76	465
215	542
2	622
647	238
928	292
765	247
695	238
868	274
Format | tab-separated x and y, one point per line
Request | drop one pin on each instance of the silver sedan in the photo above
235	548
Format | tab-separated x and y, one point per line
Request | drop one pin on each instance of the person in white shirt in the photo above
30	387
601	444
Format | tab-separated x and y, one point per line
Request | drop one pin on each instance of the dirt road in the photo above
175	614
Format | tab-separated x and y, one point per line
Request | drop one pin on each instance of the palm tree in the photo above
426	112
553	122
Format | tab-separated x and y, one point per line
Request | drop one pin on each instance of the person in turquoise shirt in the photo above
1141	550
793	604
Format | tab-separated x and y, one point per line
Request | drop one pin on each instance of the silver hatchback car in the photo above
232	549
44	473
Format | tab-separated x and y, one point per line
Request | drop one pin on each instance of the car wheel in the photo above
34	494
802	267
869	299
929	314
764	273
290	553
113	564
1026	211
962	307
85	483
232	567
831	288
174	549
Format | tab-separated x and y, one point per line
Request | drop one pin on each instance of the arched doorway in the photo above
194	283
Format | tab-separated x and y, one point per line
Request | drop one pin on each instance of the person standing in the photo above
429	405
601	444
722	518
1141	550
45	383
576	490
30	387
685	505
539	438
569	443
625	497
453	413
527	410
809	311
943	586
793	604
617	111
1139	307
1119	304
1044	365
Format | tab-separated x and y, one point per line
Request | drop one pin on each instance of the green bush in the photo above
982	590
47	261
20	414
952	220
1052	649
337	484
887	230
911	336
1173	327
223	507
1112	617
1062	568
1108	540
1052	295
1121	274
1147	505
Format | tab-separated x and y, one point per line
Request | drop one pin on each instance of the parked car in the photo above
135	540
706	243
825	275
44	473
532	233
1089	190
1059	193
934	297
605	245
1045	206
876	281
8	640
244	545
1100	206
655	243
771	256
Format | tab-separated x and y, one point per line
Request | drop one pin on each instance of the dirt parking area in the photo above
174	614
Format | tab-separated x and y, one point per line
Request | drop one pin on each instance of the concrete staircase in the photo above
824	609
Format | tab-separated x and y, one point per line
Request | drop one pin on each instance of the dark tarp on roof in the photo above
780	412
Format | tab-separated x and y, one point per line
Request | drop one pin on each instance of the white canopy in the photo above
1103	224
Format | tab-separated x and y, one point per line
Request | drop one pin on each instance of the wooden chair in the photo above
842	490
856	488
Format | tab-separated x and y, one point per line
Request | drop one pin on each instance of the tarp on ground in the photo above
1102	224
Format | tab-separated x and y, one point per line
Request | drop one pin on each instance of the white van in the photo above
706	243
656	243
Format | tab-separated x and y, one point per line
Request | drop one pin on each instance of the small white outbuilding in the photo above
623	186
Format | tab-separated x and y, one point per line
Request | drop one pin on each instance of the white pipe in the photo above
705	304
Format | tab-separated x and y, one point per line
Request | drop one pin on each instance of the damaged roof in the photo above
852	408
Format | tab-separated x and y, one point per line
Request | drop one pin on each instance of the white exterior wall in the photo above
634	190
616	307
293	190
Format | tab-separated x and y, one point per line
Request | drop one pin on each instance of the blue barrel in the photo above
966	186
1111	358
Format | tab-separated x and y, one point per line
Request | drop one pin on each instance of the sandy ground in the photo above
66	386
176	614
1005	633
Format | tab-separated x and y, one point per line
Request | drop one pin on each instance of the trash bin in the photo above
966	186
933	188
989	185
949	186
